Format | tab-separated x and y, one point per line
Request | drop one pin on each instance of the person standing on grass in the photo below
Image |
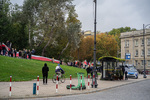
45	70
15	52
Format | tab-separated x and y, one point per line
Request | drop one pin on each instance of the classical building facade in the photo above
132	46
88	33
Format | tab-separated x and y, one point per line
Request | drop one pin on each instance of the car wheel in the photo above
137	77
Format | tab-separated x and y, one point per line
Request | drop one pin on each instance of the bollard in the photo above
10	86
34	88
88	81
70	83
57	84
37	85
81	82
93	80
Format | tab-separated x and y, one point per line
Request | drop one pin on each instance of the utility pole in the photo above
94	80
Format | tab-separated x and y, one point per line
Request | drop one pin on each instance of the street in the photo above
134	91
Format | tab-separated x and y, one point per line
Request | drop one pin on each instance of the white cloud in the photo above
111	13
19	2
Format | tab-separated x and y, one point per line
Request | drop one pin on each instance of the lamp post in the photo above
94	80
144	26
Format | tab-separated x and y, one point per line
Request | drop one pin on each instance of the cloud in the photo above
19	2
113	13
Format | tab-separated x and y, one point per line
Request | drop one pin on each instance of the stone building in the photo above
88	33
132	44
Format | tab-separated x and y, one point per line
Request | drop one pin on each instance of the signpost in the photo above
127	56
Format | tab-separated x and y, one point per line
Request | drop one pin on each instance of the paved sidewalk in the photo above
25	89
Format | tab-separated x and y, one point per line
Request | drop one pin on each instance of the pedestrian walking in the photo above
45	70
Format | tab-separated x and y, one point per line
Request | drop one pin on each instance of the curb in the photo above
84	92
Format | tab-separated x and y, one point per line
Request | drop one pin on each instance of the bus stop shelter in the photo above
110	67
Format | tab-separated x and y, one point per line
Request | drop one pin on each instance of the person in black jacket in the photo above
88	69
45	70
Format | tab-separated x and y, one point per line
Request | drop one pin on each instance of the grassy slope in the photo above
24	69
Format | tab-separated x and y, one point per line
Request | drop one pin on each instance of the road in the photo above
134	91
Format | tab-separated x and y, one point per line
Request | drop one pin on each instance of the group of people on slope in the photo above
7	50
45	69
26	53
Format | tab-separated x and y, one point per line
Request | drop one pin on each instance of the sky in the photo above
111	13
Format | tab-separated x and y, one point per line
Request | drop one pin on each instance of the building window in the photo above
142	42
142	53
136	42
148	53
148	62
136	62
127	43
136	52
148	41
142	62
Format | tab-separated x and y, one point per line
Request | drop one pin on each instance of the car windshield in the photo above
132	69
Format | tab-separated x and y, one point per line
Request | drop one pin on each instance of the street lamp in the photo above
144	26
94	80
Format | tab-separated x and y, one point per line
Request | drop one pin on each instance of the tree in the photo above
73	30
4	20
116	33
106	45
48	24
12	26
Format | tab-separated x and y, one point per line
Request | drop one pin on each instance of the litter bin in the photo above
34	88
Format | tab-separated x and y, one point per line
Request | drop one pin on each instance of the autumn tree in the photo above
106	45
85	50
116	34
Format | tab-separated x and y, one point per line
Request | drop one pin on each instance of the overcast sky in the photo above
111	13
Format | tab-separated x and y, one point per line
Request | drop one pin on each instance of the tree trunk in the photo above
51	33
41	41
63	50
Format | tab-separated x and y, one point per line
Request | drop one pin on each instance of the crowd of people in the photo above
7	50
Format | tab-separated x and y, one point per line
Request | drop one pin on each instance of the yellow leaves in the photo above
106	45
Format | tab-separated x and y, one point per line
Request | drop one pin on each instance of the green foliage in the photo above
25	70
119	59
120	30
11	26
116	33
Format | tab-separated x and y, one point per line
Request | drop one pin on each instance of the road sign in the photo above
127	56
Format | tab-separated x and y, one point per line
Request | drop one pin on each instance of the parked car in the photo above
132	73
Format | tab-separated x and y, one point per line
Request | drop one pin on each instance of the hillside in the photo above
24	69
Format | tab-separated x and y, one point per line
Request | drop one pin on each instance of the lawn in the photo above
25	70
